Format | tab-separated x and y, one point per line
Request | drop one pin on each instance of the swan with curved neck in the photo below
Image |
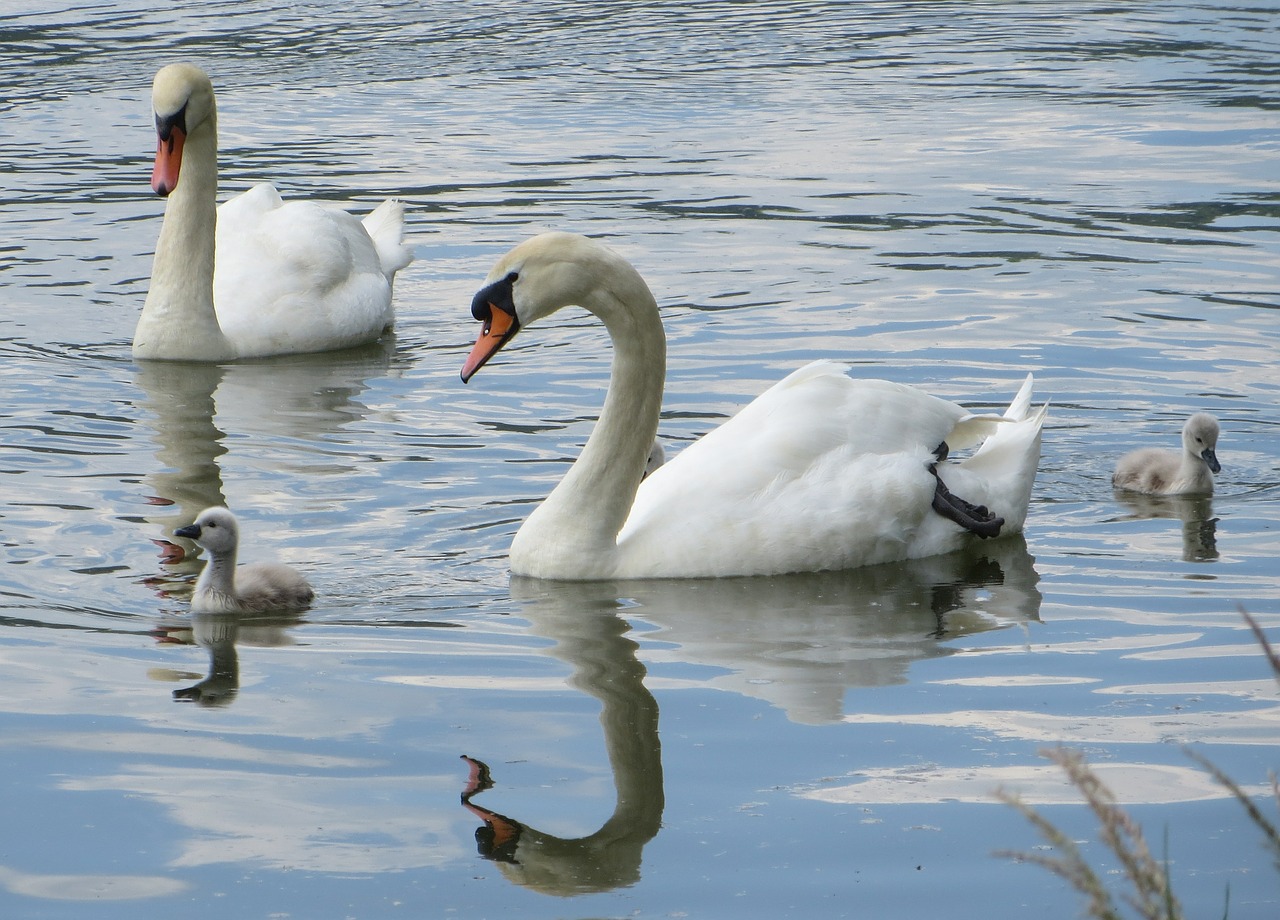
819	472
255	277
1156	471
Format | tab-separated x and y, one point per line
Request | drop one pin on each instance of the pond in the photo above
945	196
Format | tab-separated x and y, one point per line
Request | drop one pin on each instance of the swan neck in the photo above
605	666
579	522
178	320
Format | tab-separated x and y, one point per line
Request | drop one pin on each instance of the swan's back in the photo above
296	277
820	472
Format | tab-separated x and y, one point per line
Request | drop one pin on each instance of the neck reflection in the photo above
591	638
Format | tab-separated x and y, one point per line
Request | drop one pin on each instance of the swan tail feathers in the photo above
385	226
1021	404
1007	462
974	429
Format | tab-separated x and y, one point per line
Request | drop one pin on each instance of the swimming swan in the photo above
820	472
1157	471
254	277
222	587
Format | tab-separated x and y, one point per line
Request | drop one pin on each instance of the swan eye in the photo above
166	123
497	294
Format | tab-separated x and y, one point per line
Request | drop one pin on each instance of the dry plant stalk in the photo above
1150	893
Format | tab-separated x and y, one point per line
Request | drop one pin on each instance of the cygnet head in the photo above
1200	439
215	529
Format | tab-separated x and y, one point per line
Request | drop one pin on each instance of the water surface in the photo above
1085	191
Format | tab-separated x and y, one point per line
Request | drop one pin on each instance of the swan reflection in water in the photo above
219	634
1199	526
591	638
798	641
193	406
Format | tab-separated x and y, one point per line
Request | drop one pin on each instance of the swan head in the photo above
538	277
657	457
182	100
1200	439
215	529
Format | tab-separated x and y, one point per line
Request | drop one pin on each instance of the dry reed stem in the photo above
1151	895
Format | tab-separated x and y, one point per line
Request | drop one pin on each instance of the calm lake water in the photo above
949	195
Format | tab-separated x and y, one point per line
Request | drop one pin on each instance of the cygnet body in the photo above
1156	471
224	587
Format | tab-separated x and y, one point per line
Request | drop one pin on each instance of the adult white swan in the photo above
255	277
820	472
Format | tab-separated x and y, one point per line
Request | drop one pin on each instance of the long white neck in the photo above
178	321
580	519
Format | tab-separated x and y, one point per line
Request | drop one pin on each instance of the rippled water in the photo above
945	195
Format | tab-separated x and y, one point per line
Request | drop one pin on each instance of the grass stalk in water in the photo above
1150	891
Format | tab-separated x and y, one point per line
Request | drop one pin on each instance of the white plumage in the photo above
657	457
256	276
819	472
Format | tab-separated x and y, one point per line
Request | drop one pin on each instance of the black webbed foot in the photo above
976	519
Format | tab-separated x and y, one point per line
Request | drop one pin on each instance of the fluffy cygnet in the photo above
246	589
1156	471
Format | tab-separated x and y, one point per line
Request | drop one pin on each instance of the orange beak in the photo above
164	177
498	328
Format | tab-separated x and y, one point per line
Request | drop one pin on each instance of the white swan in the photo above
820	472
657	456
1157	471
255	277
224	587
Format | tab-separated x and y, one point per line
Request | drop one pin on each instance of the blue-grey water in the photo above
949	195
